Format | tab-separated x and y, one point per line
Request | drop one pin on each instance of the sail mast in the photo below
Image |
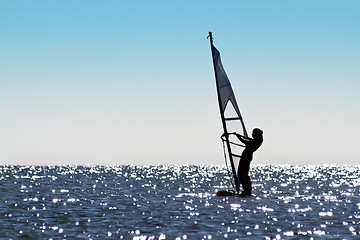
236	179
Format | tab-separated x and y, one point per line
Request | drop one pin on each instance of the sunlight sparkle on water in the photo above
178	202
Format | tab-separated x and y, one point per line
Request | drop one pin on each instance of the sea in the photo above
178	202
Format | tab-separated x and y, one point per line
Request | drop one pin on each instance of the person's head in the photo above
257	133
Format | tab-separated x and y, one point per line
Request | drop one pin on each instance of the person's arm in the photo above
242	138
227	134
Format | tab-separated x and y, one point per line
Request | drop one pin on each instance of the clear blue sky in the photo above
132	82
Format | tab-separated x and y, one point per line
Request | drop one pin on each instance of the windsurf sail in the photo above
230	113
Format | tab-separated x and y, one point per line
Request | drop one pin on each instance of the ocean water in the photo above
178	202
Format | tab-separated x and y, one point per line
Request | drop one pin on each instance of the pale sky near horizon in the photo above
132	82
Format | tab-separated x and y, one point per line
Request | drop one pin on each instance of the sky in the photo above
132	82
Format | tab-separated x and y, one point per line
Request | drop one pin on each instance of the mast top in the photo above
211	38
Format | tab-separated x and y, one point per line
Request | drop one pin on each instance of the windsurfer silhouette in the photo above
251	145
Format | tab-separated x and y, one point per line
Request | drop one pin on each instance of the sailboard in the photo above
231	119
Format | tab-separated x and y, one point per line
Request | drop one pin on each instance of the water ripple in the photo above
178	202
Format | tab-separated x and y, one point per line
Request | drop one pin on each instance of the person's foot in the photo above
245	194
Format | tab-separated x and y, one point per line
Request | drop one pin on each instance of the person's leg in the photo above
243	175
248	187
